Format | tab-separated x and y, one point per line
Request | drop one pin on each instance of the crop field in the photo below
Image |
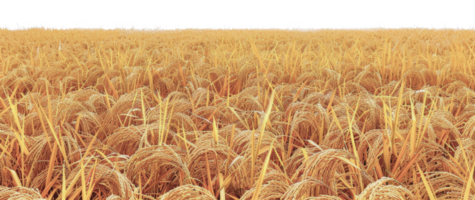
237	114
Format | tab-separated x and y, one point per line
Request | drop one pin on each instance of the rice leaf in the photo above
426	184
263	173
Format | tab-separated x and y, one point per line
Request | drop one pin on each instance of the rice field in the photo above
237	114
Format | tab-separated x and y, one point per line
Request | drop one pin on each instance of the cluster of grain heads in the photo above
19	193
